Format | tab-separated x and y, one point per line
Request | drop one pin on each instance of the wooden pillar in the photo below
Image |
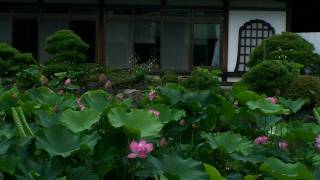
100	37
288	16
225	35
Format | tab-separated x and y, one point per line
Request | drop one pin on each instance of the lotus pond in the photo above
172	133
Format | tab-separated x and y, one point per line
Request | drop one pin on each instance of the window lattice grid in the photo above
251	34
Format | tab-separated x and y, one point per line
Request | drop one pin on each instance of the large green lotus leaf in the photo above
196	101
45	170
266	107
138	120
213	172
300	131
230	141
168	114
78	121
96	99
6	130
59	141
174	167
293	105
44	96
171	92
4	145
82	173
246	96
47	117
285	171
209	118
8	163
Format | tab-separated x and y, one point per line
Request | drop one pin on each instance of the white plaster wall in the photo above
6	29
237	18
314	38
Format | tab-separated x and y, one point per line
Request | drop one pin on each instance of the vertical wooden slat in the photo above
100	37
288	16
225	36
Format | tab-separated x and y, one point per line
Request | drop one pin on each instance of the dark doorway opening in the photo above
87	31
304	15
25	36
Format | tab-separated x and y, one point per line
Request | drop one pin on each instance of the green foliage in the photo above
59	141
12	61
229	141
29	77
174	167
199	134
78	121
201	79
66	47
286	171
305	87
287	47
271	77
213	172
169	77
137	122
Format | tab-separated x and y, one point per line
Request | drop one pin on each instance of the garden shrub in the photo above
169	76
305	86
202	79
289	47
12	61
67	47
271	77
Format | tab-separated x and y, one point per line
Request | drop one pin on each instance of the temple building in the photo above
178	34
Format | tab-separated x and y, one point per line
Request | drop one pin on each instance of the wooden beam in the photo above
225	35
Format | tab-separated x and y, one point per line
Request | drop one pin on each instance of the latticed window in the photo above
251	35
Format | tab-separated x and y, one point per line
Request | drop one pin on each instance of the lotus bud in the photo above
103	78
163	142
14	95
108	85
44	81
182	122
61	92
67	82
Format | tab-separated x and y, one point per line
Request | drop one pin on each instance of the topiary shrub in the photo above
203	79
305	86
289	47
271	77
12	61
67	47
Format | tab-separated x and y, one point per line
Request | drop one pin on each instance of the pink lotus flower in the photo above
283	145
67	82
152	95
156	113
261	140
182	122
273	100
163	142
140	149
79	103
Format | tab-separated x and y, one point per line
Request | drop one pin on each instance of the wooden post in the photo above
225	36
100	37
288	16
